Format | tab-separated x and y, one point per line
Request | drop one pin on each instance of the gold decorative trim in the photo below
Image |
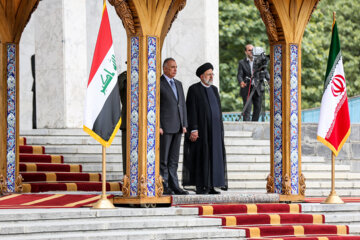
302	184
18	184
268	19
3	185
159	186
286	185
126	186
181	7
124	12
270	184
142	190
315	6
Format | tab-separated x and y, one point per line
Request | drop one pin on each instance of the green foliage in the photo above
315	49
240	23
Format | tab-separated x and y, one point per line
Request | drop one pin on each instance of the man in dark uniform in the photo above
204	151
123	94
173	123
246	81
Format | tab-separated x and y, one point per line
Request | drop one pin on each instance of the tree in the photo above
316	44
240	23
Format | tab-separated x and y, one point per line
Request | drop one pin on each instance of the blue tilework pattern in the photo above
151	116
277	118
134	116
294	126
11	117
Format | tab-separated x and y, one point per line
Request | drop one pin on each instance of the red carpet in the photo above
14	201
22	141
43	173
37	158
32	149
316	237
60	177
49	167
274	221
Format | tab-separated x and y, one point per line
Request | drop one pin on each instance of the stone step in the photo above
310	185
86	140
119	223
98	224
308	176
231	167
116	149
340	191
237	157
7	215
189	233
80	132
309	192
339	214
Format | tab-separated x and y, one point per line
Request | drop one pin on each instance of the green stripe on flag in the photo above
334	55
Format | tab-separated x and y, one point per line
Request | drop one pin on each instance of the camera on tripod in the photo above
261	62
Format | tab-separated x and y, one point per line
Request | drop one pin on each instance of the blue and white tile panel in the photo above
134	116
151	116
294	121
11	117
278	118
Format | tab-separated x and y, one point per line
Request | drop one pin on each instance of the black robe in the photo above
205	159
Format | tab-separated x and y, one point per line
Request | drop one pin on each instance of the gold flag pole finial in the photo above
333	198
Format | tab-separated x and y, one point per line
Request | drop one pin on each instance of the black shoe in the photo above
213	191
180	191
202	190
168	191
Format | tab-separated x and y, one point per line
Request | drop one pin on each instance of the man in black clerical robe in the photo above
204	163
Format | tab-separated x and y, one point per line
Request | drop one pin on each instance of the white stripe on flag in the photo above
328	109
100	88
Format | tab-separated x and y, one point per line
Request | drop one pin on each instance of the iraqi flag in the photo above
102	107
334	121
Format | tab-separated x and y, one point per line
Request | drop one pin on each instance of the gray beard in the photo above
209	82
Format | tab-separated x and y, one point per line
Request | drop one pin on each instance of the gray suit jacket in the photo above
173	116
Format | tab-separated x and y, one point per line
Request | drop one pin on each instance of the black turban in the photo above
203	68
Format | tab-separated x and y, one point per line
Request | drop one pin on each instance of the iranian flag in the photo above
334	121
102	107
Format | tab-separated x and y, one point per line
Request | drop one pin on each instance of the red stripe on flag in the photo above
103	44
341	126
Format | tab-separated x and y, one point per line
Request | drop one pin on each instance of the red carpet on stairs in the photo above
21	201
49	167
274	221
43	173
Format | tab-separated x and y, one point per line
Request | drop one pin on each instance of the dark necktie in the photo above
173	87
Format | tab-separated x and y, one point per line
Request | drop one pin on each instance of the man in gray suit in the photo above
173	123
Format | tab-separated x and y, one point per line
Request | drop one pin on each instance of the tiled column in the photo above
285	177
143	176
11	117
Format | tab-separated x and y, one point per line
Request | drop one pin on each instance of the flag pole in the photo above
104	202
333	198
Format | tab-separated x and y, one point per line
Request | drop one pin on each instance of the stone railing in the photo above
349	154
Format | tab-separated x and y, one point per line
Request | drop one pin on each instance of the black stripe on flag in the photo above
109	115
